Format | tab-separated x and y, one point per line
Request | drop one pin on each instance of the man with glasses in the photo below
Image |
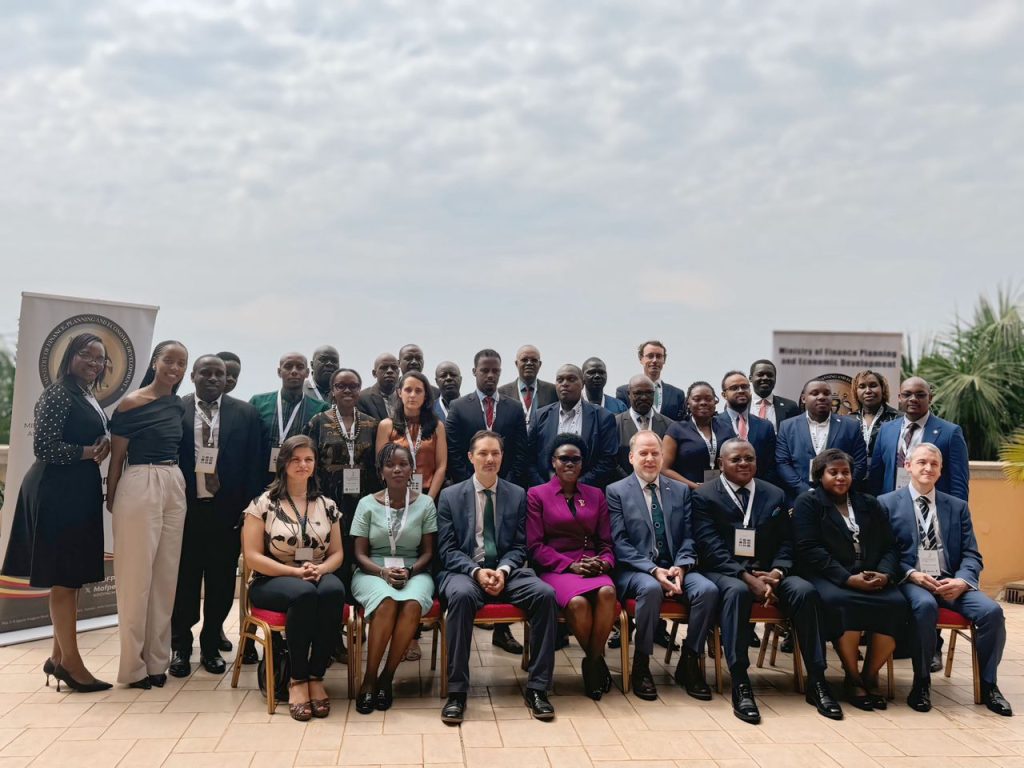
640	415
736	417
529	391
668	400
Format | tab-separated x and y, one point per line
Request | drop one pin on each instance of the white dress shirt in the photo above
481	501
769	414
197	428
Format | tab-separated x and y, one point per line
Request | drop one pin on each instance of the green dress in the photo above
371	521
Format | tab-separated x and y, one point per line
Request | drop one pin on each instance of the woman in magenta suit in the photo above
570	540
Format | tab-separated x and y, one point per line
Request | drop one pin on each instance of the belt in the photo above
166	463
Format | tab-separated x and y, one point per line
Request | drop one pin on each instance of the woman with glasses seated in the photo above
846	549
569	537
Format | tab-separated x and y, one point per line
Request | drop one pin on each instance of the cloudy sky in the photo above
276	175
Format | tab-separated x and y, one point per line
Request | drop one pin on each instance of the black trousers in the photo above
209	552
314	615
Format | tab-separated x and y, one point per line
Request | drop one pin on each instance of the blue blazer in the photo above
613	405
599	431
633	530
456	527
673	400
794	450
946	436
955	529
761	435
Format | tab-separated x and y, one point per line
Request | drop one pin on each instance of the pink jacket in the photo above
555	537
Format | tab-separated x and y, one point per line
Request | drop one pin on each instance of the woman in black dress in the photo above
870	393
692	446
846	549
57	539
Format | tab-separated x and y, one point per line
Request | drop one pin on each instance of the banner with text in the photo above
47	325
836	358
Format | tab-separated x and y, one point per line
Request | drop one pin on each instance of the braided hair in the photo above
150	375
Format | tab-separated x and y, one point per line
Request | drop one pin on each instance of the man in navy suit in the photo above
572	414
898	437
736	416
595	377
481	531
668	400
448	378
939	555
803	437
656	555
757	568
767	405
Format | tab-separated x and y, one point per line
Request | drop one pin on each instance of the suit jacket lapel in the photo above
949	540
667	497
586	423
833	430
469	536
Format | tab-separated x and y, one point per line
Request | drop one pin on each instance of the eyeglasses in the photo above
85	357
569	459
914	395
342	387
738	388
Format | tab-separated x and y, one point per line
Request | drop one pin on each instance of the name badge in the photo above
902	478
743	544
303	554
417	483
273	458
394	562
350	480
710	475
929	562
206	461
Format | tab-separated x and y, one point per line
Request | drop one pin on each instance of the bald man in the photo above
376	400
322	364
530	392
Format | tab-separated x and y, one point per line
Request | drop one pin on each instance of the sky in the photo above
579	176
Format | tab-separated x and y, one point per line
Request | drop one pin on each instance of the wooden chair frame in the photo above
671	615
966	631
357	622
477	620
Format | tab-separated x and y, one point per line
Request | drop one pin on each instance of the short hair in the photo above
481	434
811	381
882	381
279	485
229	357
736	442
930	447
567	438
387	452
651	343
645	432
76	345
689	389
825	458
353	371
485	353
733	373
762	361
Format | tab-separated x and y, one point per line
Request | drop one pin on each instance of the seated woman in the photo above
846	549
691	447
291	539
395	532
569	537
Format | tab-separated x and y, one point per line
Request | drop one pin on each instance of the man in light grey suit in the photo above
639	415
656	554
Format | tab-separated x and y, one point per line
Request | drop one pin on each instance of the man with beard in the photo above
377	399
323	364
736	416
595	377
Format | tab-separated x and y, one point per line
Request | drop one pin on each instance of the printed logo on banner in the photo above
842	392
120	354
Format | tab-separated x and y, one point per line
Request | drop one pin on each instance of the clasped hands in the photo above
671	580
492	580
396	577
98	451
868	581
764	585
588	566
947	589
309	571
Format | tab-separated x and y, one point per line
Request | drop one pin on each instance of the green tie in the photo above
658	518
490	540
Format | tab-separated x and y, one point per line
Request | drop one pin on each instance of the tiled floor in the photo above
203	721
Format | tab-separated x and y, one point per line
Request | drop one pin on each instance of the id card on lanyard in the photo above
928	559
395	531
350	475
206	455
416	483
282	429
710	474
745	537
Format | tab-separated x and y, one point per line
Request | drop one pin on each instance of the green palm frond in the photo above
1012	455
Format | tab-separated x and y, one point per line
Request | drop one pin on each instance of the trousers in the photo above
699	593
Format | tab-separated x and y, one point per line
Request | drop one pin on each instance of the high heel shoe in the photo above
320	707
592	682
48	667
63	676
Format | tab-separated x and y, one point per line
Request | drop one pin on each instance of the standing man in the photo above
481	526
655	555
572	414
939	555
767	405
324	363
221	437
234	366
746	549
639	416
449	383
595	377
530	392
377	399
757	431
668	400
897	438
410	358
803	437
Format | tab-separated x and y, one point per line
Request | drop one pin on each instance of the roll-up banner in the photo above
47	325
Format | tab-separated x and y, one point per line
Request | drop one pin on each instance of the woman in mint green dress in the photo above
394	532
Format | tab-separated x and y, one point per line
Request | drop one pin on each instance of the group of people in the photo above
554	497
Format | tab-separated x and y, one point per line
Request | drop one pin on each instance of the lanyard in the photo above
522	404
712	444
819	444
414	448
212	424
90	398
924	525
316	389
349	437
851	524
750	502
396	525
282	428
483	409
305	516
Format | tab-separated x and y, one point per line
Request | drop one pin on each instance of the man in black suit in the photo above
481	544
449	383
410	358
765	404
221	460
668	400
376	399
530	392
746	548
322	365
641	415
234	365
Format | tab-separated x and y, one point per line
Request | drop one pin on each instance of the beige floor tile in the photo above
672	718
88	733
206	701
147	753
54	715
363	750
323	735
407	721
569	757
273	760
316	757
637	764
442	747
607	752
196	744
158	726
534	733
444	765
212	760
720	746
925	743
278	736
594	731
789	756
31	742
480	734
848	755
506	757
83	754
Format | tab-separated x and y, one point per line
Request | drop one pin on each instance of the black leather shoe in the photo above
936	662
743	704
366	703
143	685
787	643
538	704
820	695
995	701
641	680
215	664
454	709
690	675
224	646
180	666
920	697
158	681
249	655
502	638
661	637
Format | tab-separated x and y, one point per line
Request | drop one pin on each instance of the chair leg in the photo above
975	667
798	665
624	648
769	630
671	640
435	630
717	634
891	687
950	652
775	647
351	638
268	656
444	657
237	664
525	663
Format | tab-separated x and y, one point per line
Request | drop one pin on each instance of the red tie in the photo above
742	422
489	411
762	412
528	397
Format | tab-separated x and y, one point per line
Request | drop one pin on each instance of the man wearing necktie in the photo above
766	404
482	550
942	565
528	390
737	417
668	399
639	416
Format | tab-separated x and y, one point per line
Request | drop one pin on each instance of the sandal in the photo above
301	711
320	707
413	653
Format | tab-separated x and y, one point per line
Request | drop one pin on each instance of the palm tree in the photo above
6	393
1012	455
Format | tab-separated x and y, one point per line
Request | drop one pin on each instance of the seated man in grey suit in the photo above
639	415
656	555
939	555
481	524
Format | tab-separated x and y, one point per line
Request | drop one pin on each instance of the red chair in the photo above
431	619
678	614
490	613
960	625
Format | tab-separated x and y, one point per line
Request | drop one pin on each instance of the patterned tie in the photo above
658	518
212	481
901	455
528	397
762	412
927	532
657	397
741	423
490	540
644	422
489	412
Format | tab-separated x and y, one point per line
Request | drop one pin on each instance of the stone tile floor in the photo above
202	721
